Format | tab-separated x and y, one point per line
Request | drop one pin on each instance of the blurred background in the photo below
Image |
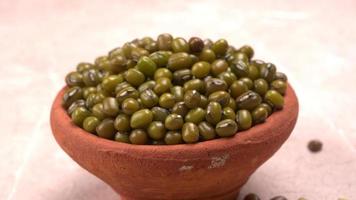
313	42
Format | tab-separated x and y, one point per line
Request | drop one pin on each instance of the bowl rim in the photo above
61	125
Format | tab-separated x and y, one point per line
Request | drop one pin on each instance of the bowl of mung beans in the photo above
170	118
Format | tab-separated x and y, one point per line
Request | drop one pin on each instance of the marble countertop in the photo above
312	41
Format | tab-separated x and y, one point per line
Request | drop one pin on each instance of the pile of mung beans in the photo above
173	91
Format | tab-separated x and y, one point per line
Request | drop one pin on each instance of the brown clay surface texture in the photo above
213	169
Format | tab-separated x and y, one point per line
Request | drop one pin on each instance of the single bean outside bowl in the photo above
213	170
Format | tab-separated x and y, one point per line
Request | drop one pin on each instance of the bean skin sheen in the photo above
170	90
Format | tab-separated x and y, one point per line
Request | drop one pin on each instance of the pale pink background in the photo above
314	42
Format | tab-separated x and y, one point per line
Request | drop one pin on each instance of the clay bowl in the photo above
211	170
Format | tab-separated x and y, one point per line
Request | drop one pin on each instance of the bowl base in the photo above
227	196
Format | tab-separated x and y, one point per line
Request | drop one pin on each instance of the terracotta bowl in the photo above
211	170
